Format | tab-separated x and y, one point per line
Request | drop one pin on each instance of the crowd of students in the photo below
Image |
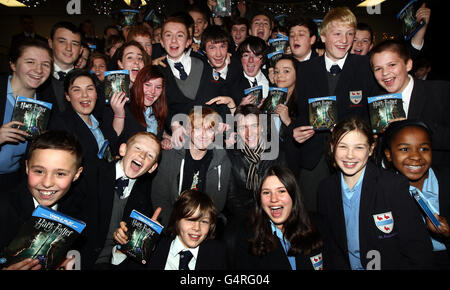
234	187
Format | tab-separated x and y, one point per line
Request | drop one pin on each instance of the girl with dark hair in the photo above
31	63
408	151
282	236
81	93
367	210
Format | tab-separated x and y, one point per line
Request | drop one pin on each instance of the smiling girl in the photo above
408	151
31	64
147	110
366	208
81	93
283	236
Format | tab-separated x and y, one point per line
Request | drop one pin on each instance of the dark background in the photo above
385	24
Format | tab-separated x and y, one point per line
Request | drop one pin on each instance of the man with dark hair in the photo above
364	39
65	41
261	26
252	53
302	36
215	43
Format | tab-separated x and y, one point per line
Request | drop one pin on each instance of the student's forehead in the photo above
132	50
299	28
64	159
260	18
340	25
175	27
146	142
239	26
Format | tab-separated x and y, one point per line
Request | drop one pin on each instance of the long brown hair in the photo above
137	106
298	229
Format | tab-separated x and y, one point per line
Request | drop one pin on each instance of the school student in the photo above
53	163
65	42
215	45
198	166
281	235
252	53
190	80
424	100
81	95
189	243
365	208
112	191
302	37
336	73
31	64
408	151
147	109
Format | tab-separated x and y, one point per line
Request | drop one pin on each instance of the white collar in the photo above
329	62
177	246
36	203
58	69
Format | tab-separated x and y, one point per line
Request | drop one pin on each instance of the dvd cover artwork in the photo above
34	114
222	9
322	112
129	17
275	97
116	81
143	235
279	43
383	109
47	236
410	26
257	92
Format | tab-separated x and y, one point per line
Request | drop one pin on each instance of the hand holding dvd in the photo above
27	264
10	132
443	229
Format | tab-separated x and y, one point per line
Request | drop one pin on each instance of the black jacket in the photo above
98	192
407	246
312	82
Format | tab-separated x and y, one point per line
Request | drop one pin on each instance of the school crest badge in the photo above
355	97
317	262
384	222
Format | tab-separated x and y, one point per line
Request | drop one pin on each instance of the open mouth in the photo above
276	211
85	104
357	51
136	165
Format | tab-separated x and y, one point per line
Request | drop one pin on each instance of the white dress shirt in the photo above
329	63
173	259
185	60
406	94
261	80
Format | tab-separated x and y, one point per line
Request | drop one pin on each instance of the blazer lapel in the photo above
338	216
417	102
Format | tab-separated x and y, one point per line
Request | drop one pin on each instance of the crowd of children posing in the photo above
316	204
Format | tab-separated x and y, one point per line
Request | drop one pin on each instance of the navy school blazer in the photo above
405	246
312	82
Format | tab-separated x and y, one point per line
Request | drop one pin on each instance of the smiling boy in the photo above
53	164
336	73
190	80
114	191
424	100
